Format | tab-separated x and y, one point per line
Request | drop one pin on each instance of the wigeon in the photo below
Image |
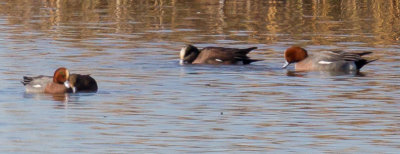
83	83
46	84
215	55
61	82
326	60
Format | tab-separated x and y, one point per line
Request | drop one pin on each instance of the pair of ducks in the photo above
63	82
324	61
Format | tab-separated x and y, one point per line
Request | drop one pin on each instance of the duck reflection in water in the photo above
60	97
323	73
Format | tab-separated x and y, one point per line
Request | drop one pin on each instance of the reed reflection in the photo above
64	20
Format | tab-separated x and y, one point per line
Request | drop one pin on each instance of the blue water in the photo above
148	103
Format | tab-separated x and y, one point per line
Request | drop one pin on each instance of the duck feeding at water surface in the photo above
215	55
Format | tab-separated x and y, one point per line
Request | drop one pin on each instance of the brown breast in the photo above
54	88
305	65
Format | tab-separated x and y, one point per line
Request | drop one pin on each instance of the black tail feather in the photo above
246	51
364	53
360	63
26	80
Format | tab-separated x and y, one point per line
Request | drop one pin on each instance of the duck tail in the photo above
252	48
26	80
247	50
364	53
360	63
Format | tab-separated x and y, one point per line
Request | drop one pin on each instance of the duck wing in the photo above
37	79
356	57
339	55
220	55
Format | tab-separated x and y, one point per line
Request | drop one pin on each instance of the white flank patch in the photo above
36	86
218	60
324	62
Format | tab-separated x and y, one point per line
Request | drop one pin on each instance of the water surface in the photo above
147	102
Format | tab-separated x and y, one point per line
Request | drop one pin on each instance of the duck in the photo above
56	84
340	61
83	83
61	82
215	55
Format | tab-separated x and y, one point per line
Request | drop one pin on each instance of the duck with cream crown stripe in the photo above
46	84
326	60
215	55
61	82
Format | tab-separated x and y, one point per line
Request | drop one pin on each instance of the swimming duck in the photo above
326	60
61	82
46	84
83	83
215	55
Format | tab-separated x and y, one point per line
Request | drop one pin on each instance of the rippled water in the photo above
147	102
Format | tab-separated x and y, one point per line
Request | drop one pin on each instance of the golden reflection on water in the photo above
323	22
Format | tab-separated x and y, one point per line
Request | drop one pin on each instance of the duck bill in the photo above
182	56
286	64
69	85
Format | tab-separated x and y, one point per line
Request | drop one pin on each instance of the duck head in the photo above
188	54
61	76
294	54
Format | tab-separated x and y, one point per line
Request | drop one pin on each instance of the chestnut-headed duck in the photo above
83	83
326	60
46	84
61	82
215	55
